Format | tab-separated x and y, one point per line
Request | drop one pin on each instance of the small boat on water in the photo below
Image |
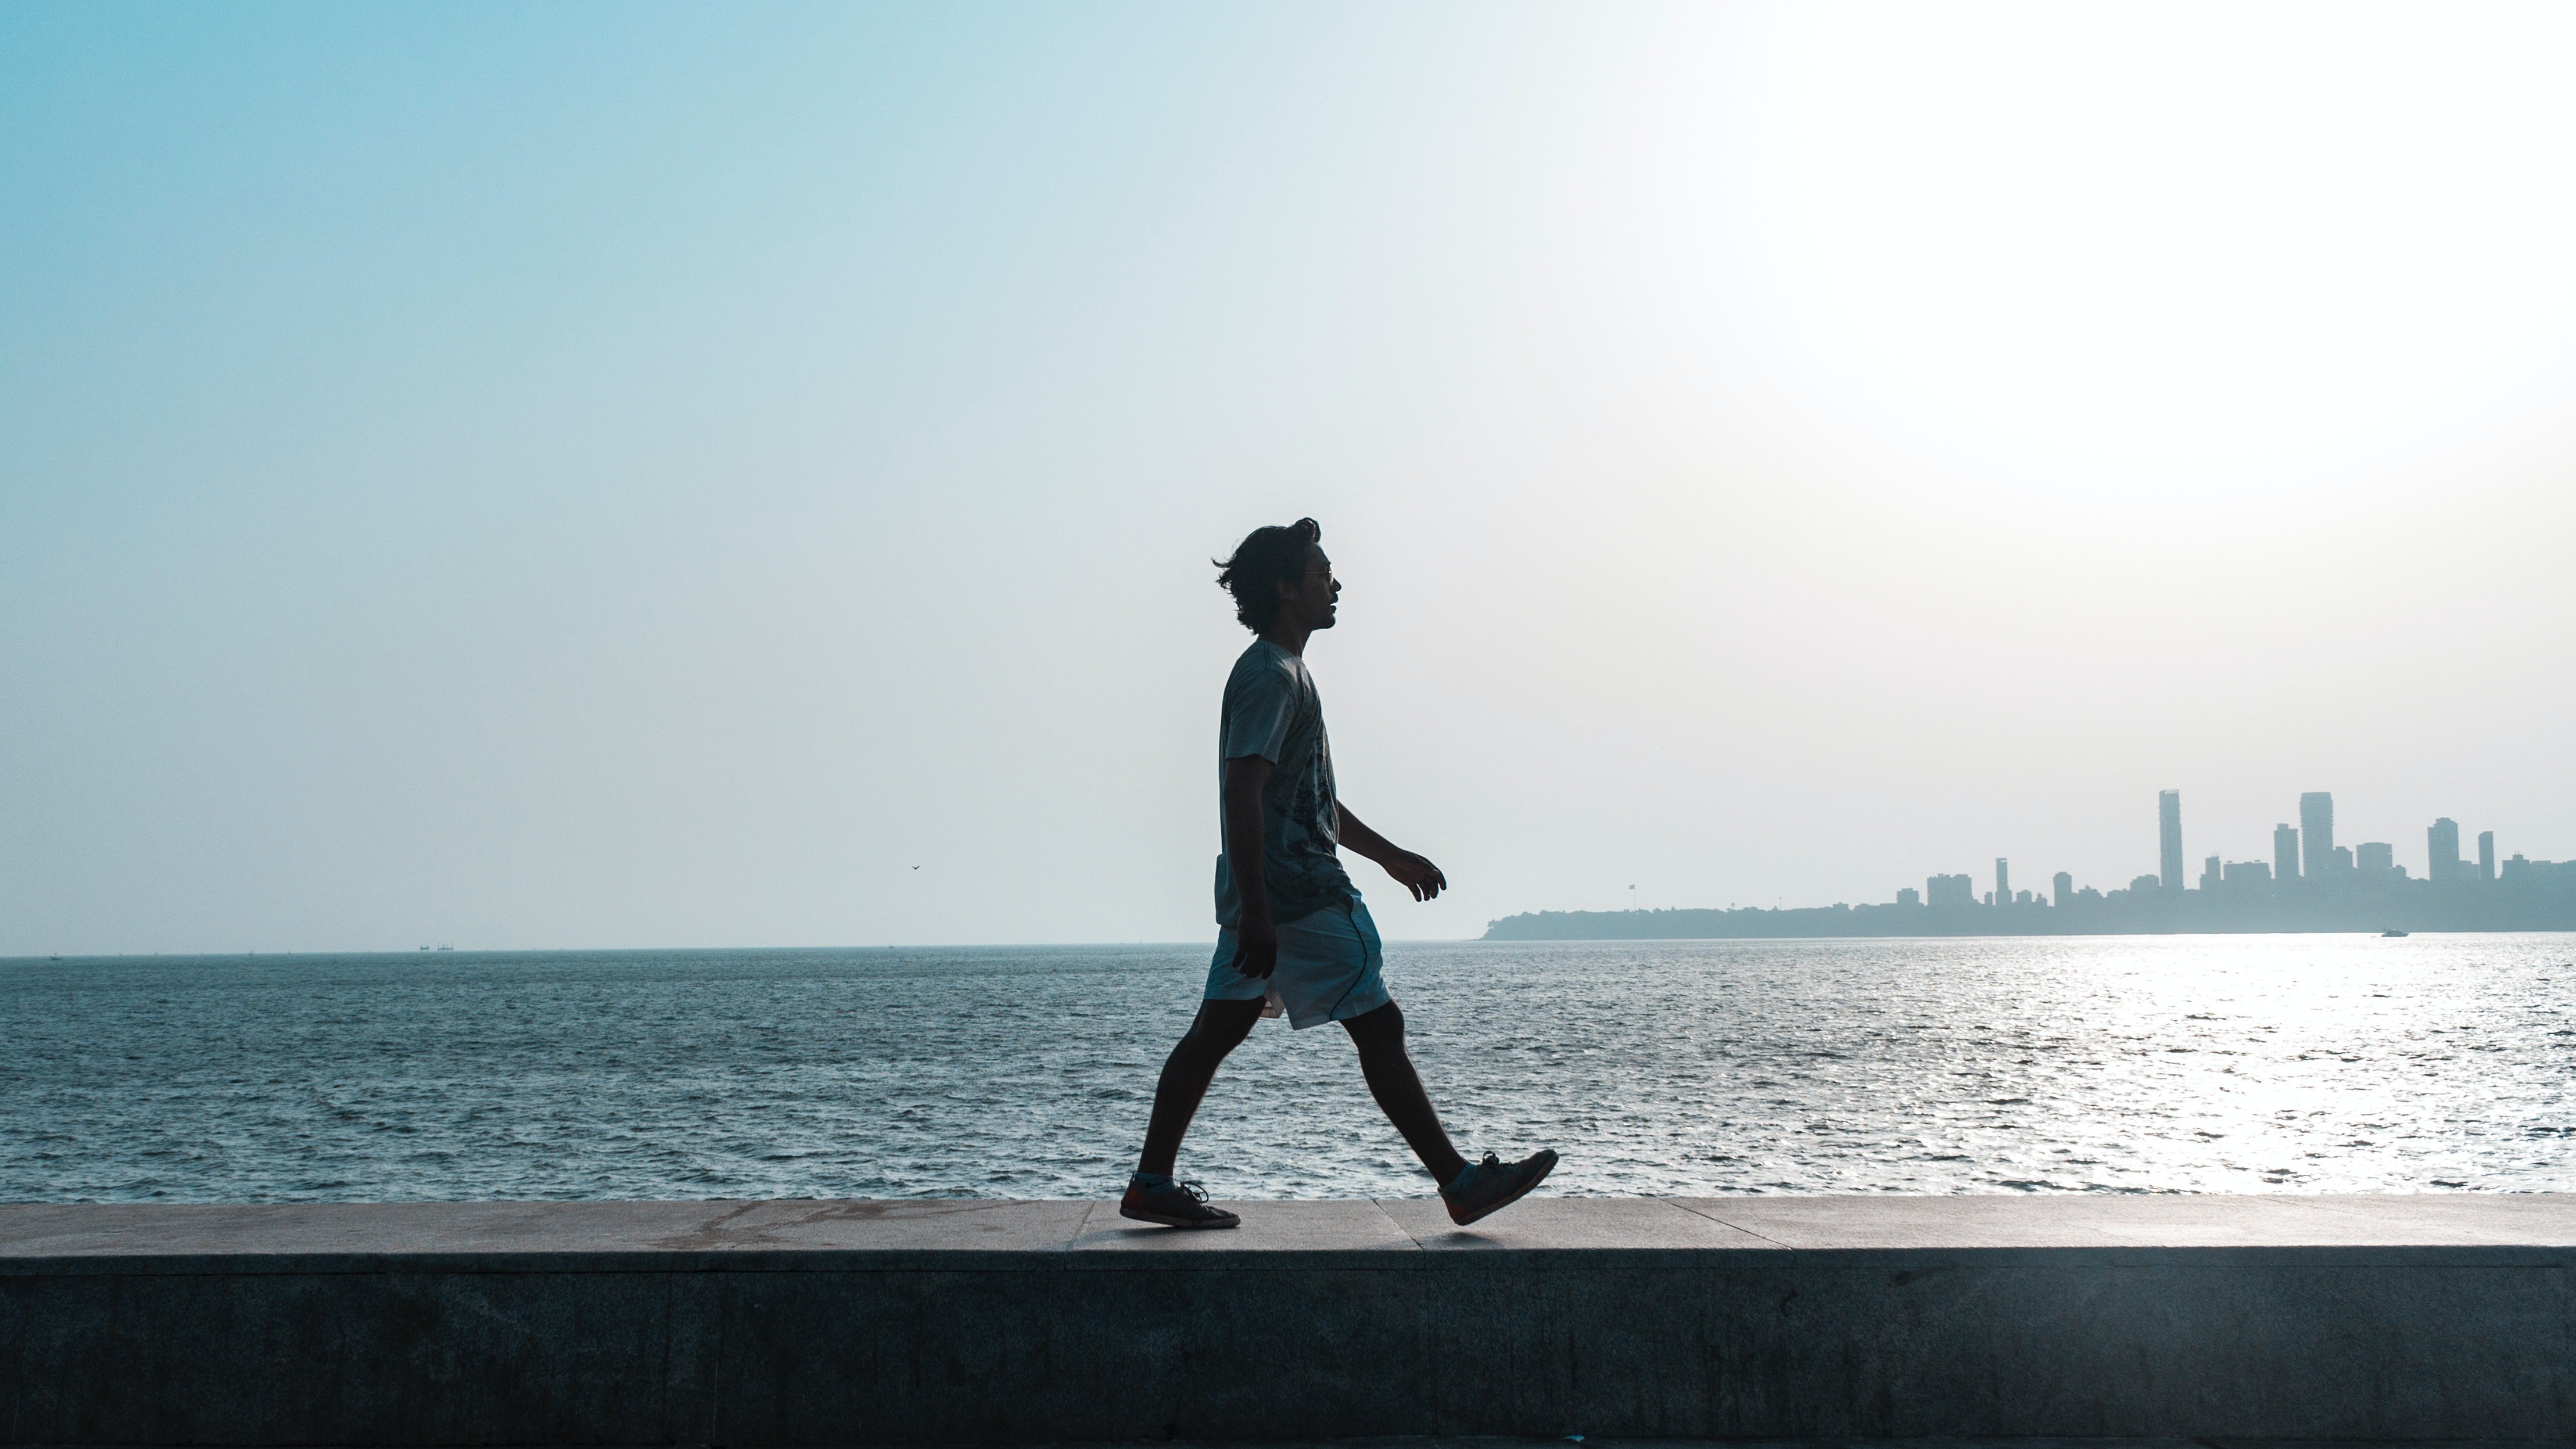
2384	935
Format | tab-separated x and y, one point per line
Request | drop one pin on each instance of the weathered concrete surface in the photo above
2361	1319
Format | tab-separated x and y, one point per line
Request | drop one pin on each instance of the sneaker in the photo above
1493	1185
1173	1204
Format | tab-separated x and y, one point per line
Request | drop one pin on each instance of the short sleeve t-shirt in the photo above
1272	710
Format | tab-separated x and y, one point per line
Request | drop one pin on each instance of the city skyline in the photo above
2310	883
2305	853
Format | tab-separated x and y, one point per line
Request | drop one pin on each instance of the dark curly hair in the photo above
1267	558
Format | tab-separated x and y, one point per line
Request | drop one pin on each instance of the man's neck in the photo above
1289	637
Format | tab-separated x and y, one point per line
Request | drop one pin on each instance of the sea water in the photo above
2186	1063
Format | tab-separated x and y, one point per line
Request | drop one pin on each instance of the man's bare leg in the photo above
1379	1035
1219	1028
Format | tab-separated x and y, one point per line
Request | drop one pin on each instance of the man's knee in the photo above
1378	1026
1219	1028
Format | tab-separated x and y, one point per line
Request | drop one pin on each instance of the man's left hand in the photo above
1416	874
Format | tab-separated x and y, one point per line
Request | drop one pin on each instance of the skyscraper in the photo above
2064	887
2316	831
2285	853
2442	844
2169	839
2486	855
2003	881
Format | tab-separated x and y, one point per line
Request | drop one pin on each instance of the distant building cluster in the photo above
2309	884
2308	876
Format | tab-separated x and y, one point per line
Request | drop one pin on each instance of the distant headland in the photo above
2309	884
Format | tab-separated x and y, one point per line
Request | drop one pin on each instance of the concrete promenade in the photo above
2352	1318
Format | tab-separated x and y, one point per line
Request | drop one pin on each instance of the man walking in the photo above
1293	936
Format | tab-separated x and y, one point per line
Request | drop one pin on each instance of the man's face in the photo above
1308	596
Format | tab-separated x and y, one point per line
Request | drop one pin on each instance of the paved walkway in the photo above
1363	1231
1857	1320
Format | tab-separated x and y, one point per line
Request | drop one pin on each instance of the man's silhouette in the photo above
1293	935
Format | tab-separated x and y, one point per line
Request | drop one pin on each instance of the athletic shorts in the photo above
1328	968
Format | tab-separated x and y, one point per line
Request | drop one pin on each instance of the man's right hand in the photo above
1256	946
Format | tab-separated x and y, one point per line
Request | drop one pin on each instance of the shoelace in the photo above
1194	1189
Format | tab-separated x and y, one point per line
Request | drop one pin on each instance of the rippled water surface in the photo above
2246	1063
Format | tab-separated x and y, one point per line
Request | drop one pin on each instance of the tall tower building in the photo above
2442	846
2064	886
2003	881
2285	853
2486	855
2316	831
2169	840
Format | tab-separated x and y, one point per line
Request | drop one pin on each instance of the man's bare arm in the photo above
1256	948
1411	871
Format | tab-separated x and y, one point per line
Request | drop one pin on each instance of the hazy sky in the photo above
567	476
